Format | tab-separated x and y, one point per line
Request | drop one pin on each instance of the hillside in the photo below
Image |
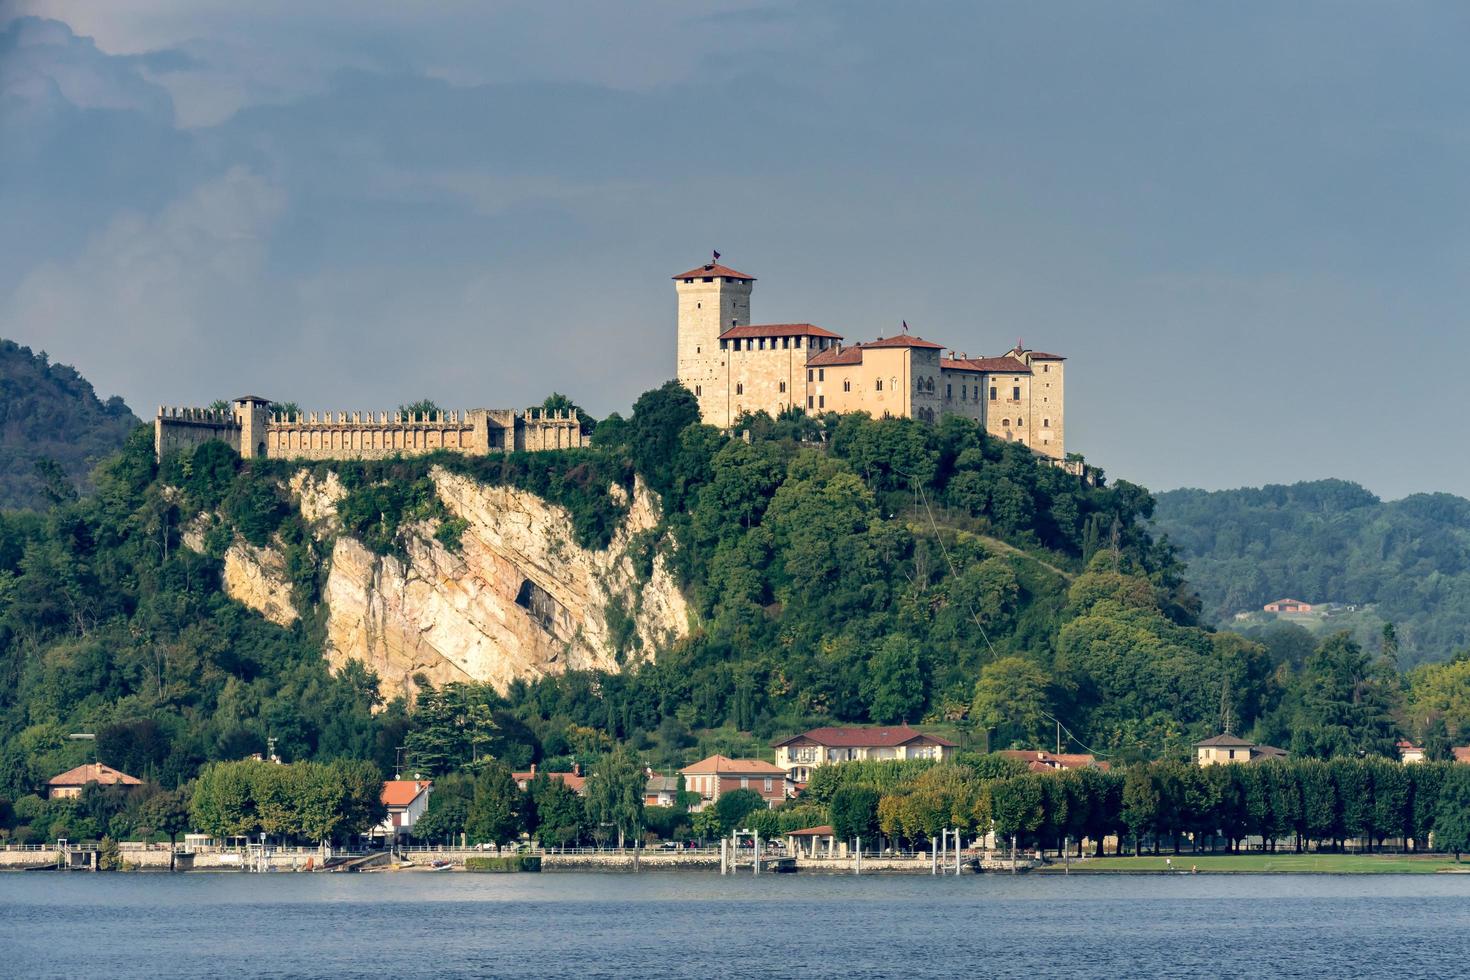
50	412
1330	541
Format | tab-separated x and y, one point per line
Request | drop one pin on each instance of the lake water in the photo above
705	926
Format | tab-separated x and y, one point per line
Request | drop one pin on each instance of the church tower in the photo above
712	299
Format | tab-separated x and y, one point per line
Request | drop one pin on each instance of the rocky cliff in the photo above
518	599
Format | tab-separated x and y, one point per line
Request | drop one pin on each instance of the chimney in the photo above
576	769
533	770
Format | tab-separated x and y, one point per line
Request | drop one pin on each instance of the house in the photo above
1229	748
1461	753
661	791
1409	752
71	782
1038	761
712	777
574	780
800	754
1288	606
406	800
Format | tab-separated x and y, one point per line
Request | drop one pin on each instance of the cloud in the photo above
150	294
41	57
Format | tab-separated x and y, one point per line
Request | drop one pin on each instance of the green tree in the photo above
615	794
420	411
659	416
894	685
1452	814
1140	804
495	811
1016	807
1011	696
854	813
735	806
560	814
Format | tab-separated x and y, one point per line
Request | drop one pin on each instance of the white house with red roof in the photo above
73	781
734	366
716	775
406	800
801	754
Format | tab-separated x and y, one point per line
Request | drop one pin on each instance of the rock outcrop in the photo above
518	599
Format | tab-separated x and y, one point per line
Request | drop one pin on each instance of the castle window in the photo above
992	392
821	374
810	401
697	349
698	390
877	384
762	343
709	279
724	345
785	343
821	401
1016	393
1046	423
1005	423
847	384
688	280
783	387
796	343
964	393
808	375
1046	369
949	391
739	389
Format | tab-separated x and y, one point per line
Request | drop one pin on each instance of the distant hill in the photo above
1330	541
49	411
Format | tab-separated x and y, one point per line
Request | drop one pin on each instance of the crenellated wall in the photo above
365	435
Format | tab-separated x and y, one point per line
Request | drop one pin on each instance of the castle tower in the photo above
254	413
712	299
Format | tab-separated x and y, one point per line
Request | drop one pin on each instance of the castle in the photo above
734	366
252	427
731	365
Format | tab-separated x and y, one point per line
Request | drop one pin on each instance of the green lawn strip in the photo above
1266	864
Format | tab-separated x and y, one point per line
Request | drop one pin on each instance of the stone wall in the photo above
179	429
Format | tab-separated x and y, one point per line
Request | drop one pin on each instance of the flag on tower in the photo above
716	255
905	326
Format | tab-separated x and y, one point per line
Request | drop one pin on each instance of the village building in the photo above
1227	748
73	781
802	754
1288	606
717	775
1039	761
1409	752
734	366
813	842
661	791
406	800
574	780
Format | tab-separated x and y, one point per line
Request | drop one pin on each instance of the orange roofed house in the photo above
71	782
717	775
800	754
406	800
1038	761
574	780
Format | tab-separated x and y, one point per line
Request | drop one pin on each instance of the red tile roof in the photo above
778	330
955	364
876	737
402	792
713	269
576	782
94	773
991	365
1461	753
1038	761
904	340
1037	355
720	766
837	356
825	830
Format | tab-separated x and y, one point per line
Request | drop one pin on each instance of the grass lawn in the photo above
1273	863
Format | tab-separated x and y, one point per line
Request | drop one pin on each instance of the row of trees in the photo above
1304	802
303	801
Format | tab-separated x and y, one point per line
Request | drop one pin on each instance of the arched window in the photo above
1005	423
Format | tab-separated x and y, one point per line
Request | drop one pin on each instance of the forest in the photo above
1330	541
842	569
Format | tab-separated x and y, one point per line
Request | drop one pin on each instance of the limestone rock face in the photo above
520	598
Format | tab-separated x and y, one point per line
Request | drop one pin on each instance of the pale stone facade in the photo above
733	366
251	428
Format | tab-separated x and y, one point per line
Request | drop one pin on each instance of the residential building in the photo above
717	775
573	780
1288	606
1461	753
1229	748
1039	761
406	800
801	754
661	791
73	781
1409	752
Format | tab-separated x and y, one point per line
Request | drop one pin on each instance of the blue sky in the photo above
1245	224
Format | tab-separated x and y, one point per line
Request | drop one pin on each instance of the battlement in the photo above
253	429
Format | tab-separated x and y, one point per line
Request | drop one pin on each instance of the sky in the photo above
1244	224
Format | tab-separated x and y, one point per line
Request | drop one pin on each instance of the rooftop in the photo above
875	737
1225	741
713	269
94	772
719	765
995	365
835	356
402	792
904	340
825	830
778	330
